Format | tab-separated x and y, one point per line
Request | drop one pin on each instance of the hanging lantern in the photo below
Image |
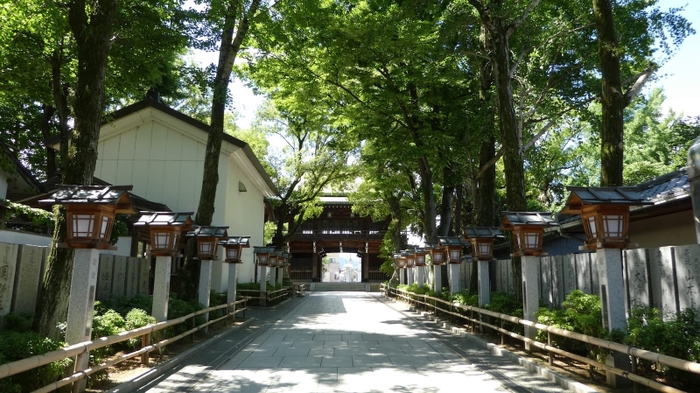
165	229
272	259
604	213
400	262
234	248
90	212
410	259
482	240
208	240
528	231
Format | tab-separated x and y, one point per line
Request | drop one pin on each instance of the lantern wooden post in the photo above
605	218
90	214
233	249
165	231
482	240
528	233
207	238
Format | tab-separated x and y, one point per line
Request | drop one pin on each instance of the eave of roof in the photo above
21	169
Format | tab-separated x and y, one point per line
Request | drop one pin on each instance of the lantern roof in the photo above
243	241
621	196
451	241
515	219
208	231
183	219
257	250
117	196
483	233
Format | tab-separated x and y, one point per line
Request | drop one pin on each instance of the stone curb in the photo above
160	369
529	365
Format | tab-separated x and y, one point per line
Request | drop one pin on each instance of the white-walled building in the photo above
160	151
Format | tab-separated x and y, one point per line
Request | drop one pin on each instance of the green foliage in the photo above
107	324
679	337
581	313
505	303
40	218
135	319
18	322
21	345
466	298
123	305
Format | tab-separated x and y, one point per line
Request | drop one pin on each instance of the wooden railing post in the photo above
145	341
549	342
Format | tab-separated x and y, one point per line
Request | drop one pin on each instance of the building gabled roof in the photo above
20	169
151	103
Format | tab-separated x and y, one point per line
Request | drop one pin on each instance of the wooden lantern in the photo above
410	259
263	254
437	255
604	213
419	257
234	246
482	240
528	231
401	261
272	259
453	248
90	213
208	240
165	229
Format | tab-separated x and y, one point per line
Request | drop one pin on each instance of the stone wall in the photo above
22	268
667	278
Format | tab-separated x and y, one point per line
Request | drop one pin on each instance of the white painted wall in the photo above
163	158
28	238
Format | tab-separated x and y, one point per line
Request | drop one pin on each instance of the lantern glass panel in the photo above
232	253
532	240
484	248
205	247
105	228
592	228
262	259
83	224
161	240
455	253
272	261
613	225
438	256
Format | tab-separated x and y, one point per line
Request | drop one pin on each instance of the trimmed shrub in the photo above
20	345
135	319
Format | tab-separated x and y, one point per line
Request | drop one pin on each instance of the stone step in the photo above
339	286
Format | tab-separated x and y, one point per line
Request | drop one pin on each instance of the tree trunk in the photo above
513	158
50	167
230	45
446	211
92	35
60	99
426	183
612	101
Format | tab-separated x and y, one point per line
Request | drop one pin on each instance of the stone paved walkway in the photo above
350	342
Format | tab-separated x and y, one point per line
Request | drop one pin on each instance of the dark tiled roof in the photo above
108	195
165	218
667	187
20	169
482	232
527	218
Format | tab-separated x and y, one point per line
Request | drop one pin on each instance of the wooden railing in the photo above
267	297
474	316
84	348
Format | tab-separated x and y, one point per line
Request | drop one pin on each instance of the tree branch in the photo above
642	79
516	23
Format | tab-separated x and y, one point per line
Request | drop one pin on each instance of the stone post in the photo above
263	285
161	288
484	289
205	286
531	292
612	300
402	276
437	278
232	284
8	266
455	282
409	276
81	305
420	275
280	275
694	175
